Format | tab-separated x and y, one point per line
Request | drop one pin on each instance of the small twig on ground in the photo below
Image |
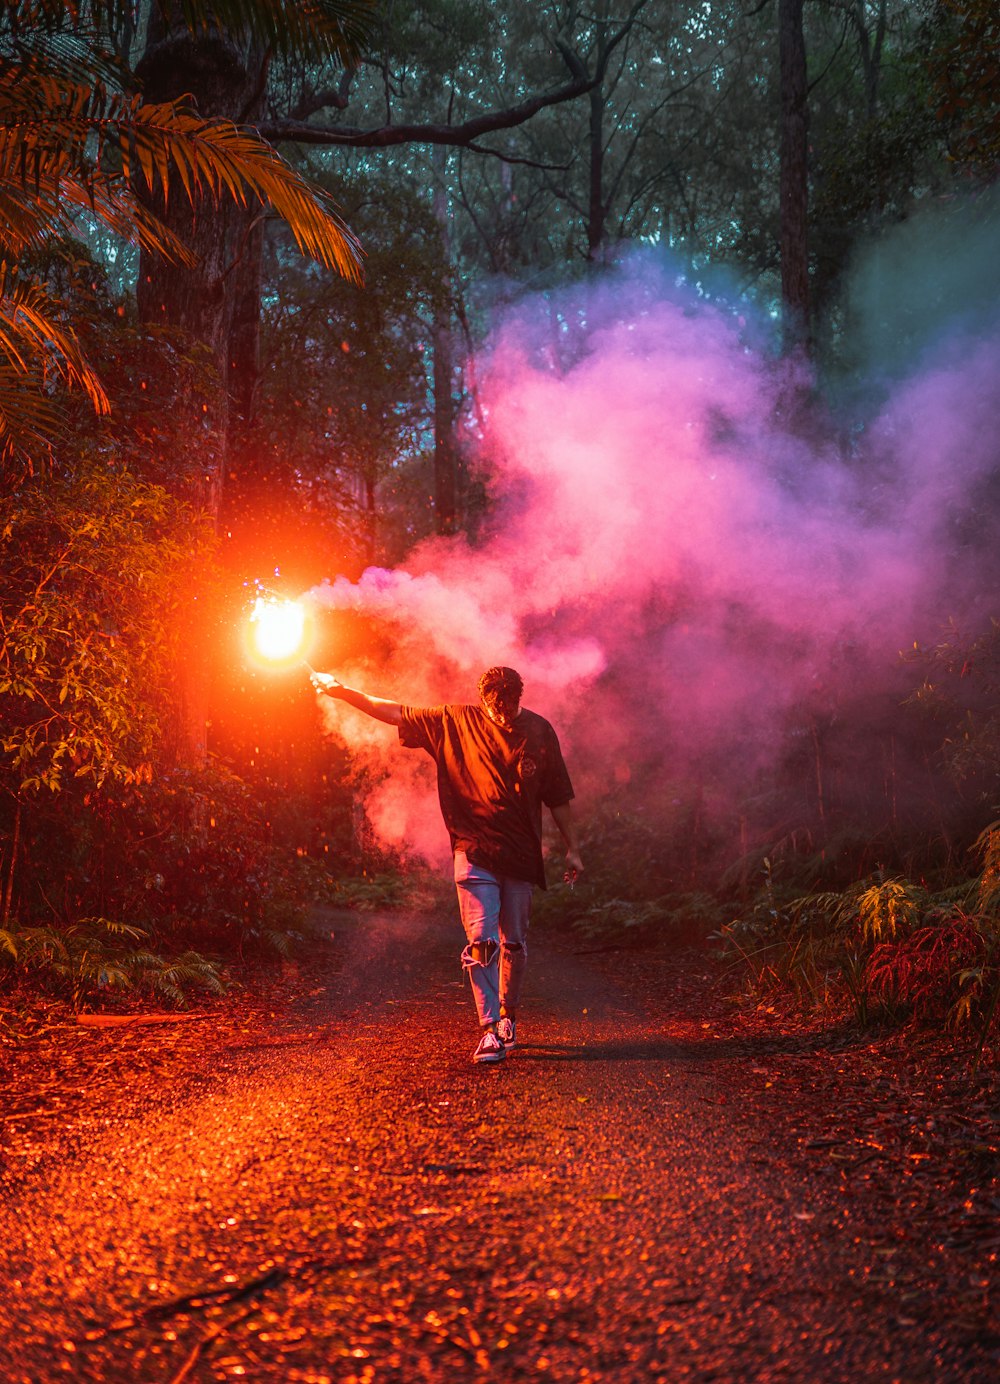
120	1020
211	1297
212	1334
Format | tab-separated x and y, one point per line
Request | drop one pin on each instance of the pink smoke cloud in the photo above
677	565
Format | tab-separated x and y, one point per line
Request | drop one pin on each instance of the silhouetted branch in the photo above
384	136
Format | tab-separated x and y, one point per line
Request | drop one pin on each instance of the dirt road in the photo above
345	1197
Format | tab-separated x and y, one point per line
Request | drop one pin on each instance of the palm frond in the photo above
44	153
25	225
31	333
57	39
335	29
29	421
216	157
113	926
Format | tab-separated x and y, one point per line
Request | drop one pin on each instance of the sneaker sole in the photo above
490	1058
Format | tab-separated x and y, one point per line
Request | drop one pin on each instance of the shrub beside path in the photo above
313	1183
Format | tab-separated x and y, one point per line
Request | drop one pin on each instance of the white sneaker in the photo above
507	1031
490	1048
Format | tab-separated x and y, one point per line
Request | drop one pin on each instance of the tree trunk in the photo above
445	486
216	302
225	77
368	481
8	887
243	362
445	456
597	210
794	234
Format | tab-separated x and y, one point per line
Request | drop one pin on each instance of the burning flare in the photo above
279	629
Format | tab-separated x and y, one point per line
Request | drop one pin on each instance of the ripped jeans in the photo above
495	911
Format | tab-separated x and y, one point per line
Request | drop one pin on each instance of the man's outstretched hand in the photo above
325	682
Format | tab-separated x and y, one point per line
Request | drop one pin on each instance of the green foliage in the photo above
962	55
653	847
637	888
202	867
160	386
345	416
95	567
95	955
987	847
189	859
960	694
367	879
888	949
672	919
371	893
878	909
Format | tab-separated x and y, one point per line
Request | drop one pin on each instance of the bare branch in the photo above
336	97
514	158
382	137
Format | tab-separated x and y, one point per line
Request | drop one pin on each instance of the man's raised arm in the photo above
378	707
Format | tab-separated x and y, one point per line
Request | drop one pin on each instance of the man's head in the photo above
500	695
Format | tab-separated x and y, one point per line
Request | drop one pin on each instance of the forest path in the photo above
636	1193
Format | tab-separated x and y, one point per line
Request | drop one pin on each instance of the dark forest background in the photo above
250	252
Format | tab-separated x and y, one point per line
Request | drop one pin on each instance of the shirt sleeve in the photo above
557	788
422	728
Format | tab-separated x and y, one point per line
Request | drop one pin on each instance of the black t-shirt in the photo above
492	782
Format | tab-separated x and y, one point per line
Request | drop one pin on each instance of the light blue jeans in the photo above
495	912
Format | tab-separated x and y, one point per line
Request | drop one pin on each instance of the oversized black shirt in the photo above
492	782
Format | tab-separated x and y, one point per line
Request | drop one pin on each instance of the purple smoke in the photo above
686	566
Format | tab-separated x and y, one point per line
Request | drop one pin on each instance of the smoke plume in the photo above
698	568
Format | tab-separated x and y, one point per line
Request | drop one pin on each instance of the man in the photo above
496	765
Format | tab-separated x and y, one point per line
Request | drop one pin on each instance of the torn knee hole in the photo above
480	953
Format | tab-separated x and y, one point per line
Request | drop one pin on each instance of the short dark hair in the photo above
507	681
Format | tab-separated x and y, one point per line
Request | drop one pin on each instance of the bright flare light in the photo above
279	629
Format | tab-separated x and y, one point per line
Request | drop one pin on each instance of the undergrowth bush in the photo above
674	918
188	859
882	948
945	972
93	956
390	888
632	889
153	887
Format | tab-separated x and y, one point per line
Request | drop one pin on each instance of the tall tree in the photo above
445	451
220	62
589	58
794	174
